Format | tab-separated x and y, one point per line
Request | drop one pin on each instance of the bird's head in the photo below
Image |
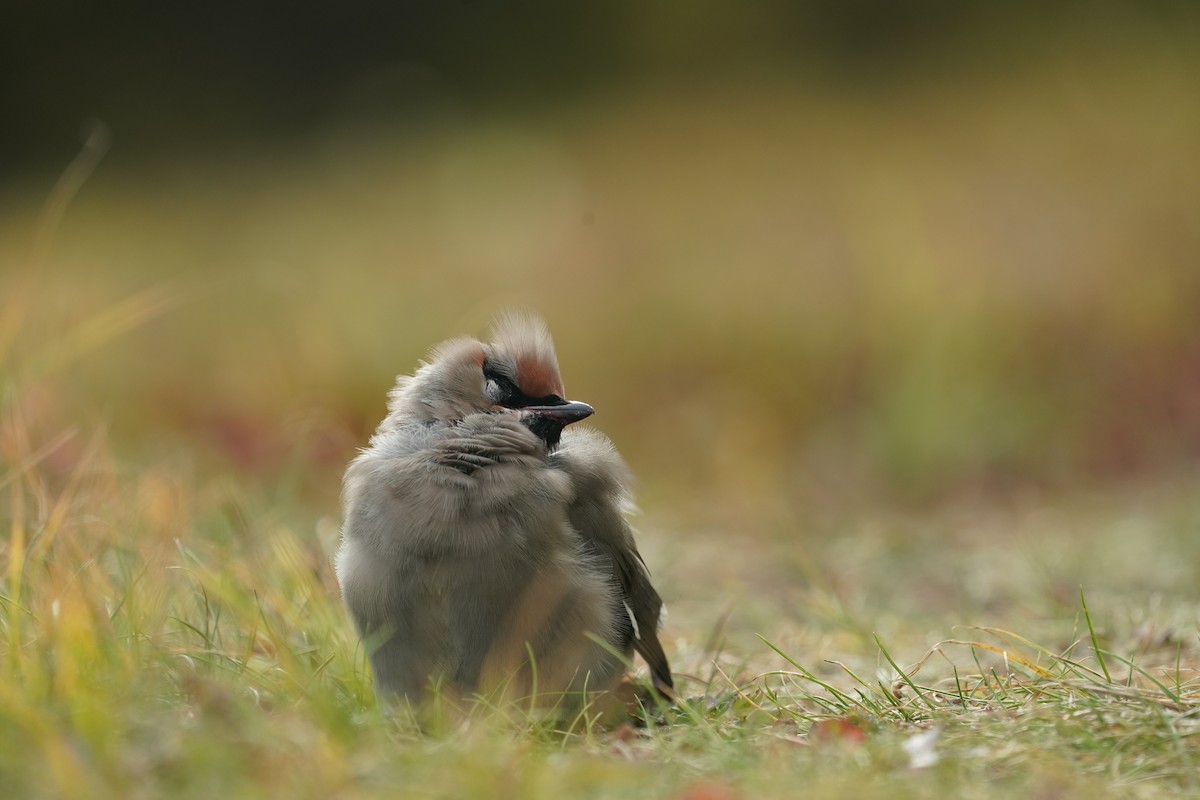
515	373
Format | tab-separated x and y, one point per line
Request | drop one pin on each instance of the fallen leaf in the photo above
843	730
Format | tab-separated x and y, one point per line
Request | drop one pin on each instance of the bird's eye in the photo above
500	388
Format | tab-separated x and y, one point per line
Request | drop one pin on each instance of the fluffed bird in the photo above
485	546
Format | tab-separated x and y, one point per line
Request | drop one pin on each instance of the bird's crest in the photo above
525	339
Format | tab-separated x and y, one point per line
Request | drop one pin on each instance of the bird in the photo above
485	545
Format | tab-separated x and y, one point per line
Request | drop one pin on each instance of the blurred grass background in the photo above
901	304
948	265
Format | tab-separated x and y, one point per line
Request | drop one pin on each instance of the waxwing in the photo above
484	546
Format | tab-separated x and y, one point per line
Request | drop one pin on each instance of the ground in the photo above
914	418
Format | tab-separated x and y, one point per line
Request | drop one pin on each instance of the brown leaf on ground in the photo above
708	790
842	730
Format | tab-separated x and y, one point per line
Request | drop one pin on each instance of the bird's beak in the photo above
564	413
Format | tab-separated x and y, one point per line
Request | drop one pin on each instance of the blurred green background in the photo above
800	256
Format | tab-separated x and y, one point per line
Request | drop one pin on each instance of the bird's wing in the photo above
599	474
468	451
645	609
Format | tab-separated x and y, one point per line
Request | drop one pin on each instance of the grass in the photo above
895	400
165	635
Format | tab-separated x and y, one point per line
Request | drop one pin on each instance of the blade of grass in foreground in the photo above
904	675
1092	632
19	302
808	675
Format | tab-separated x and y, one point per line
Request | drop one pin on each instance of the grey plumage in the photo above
485	548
